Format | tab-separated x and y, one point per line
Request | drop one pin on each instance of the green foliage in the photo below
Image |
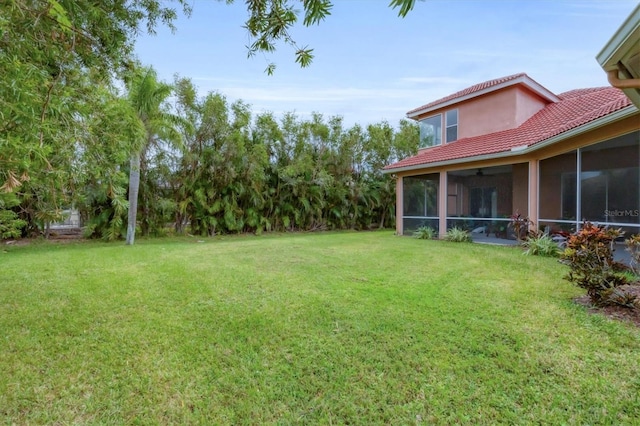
271	21
232	174
242	175
589	254
100	169
404	6
147	97
540	244
458	235
104	210
10	224
65	127
52	56
57	61
425	233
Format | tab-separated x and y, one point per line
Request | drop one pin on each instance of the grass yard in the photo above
336	328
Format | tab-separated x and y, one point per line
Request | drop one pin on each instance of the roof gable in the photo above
483	89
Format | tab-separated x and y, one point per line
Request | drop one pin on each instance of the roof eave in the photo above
627	35
518	151
616	57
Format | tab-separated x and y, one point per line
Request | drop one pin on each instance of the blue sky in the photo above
371	65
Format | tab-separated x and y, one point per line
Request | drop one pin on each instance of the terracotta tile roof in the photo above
469	91
575	108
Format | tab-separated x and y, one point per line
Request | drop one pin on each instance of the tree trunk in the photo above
134	185
143	199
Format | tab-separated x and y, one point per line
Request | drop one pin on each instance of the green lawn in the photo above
337	328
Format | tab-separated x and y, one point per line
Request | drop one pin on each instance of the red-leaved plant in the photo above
520	225
589	254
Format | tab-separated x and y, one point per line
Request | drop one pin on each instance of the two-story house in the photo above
510	145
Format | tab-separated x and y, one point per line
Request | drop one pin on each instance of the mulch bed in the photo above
618	313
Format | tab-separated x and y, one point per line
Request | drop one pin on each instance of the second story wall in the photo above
501	110
527	105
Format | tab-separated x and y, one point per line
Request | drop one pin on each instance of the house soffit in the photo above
623	45
622	54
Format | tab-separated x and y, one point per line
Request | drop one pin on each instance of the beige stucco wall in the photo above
501	110
399	205
527	105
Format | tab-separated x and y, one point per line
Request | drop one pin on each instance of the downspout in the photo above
632	83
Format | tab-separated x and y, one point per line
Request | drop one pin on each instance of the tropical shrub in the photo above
540	244
10	224
589	254
520	225
623	296
458	235
103	207
425	233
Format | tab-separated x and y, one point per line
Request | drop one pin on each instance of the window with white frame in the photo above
451	125
431	131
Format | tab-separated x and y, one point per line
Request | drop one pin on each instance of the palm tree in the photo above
147	96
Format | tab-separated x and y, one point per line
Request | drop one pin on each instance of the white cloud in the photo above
278	93
435	80
355	104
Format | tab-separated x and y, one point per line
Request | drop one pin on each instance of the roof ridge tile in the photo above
472	89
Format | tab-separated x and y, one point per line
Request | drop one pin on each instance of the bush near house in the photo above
458	235
535	243
425	233
540	244
589	254
520	225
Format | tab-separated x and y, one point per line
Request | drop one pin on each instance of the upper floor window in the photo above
431	131
452	125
